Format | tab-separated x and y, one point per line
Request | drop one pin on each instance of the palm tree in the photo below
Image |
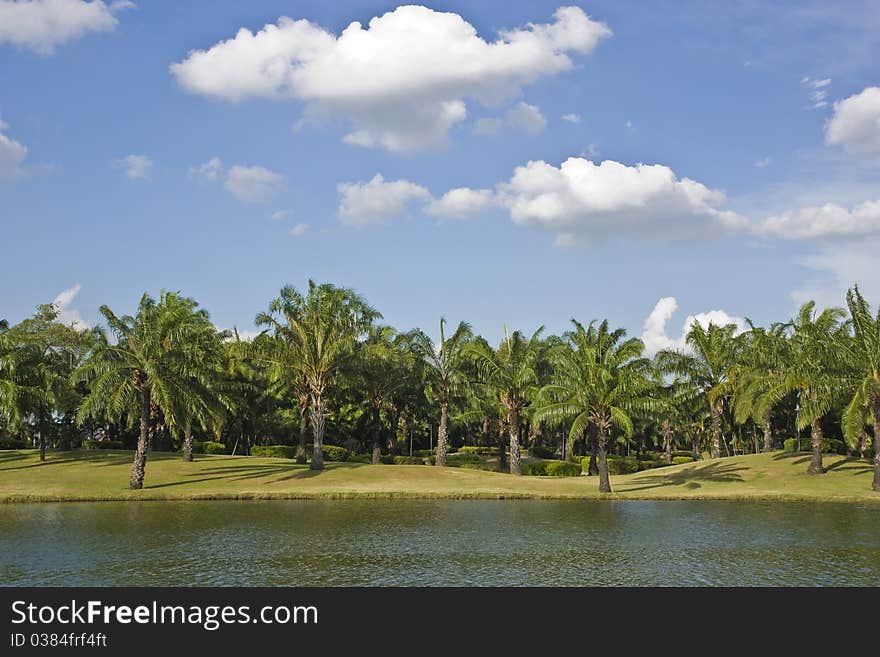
153	363
862	355
764	355
813	369
600	380
708	367
20	391
320	329
376	357
511	370
444	372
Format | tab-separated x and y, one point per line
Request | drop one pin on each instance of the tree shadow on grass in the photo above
244	471
689	478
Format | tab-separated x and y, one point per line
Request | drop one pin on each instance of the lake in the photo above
439	543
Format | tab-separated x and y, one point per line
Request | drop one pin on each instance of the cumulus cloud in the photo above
817	90
376	201
136	167
823	221
66	314
299	230
654	331
572	118
402	82
252	184
209	171
855	124
527	118
462	203
12	154
582	201
488	127
42	25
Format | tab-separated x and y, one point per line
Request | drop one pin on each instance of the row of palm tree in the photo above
324	362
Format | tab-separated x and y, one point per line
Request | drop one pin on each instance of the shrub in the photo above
210	447
102	444
14	443
274	451
360	458
652	465
424	453
459	459
829	445
551	469
540	452
335	453
408	460
198	447
678	460
473	449
616	464
535	469
649	456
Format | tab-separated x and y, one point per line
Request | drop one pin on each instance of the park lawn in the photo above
103	475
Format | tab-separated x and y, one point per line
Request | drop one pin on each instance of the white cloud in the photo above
628	125
823	221
402	82
838	266
583	201
12	154
376	201
572	118
41	25
488	127
527	118
136	167
654	331
299	230
855	124
818	91
462	203
253	184
763	163
591	152
66	314
209	171
280	215
244	335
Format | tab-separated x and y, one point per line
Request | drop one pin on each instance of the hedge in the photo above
209	447
472	449
464	457
102	444
829	445
616	464
360	458
274	451
678	460
335	453
551	469
12	443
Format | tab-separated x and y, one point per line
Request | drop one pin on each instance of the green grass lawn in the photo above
103	475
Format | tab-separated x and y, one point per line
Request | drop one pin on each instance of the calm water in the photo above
437	543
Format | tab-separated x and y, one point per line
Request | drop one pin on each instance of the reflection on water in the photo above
439	543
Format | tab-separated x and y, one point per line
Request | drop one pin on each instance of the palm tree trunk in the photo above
604	480
188	443
303	430
695	445
875	485
768	432
593	466
440	459
816	439
317	412
667	439
139	467
502	445
515	459
392	439
377	430
715	410
42	425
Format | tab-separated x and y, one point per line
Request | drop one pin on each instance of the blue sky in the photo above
116	193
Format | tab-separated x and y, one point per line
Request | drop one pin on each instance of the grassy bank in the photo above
103	475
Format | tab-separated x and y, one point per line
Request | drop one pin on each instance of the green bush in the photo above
829	445
652	465
458	459
210	447
649	456
12	443
408	460
678	460
472	449
274	451
101	444
616	464
360	458
197	447
540	452
335	453
551	469
424	453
